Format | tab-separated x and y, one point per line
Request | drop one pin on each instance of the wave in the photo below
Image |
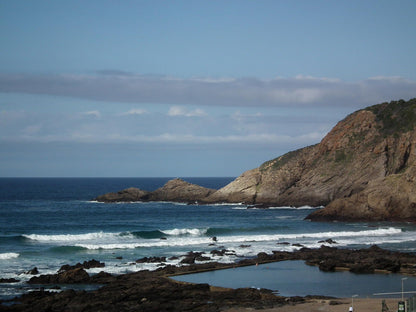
70	237
182	237
193	232
152	234
297	208
279	208
8	255
318	235
172	232
309	239
147	234
12	239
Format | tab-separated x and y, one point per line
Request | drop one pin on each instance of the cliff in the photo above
364	169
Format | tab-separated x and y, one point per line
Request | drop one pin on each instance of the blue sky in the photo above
189	88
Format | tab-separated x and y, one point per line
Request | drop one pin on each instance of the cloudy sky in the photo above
155	88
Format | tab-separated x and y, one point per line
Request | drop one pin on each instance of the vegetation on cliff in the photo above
396	117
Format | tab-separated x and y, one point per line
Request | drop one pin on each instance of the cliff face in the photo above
364	169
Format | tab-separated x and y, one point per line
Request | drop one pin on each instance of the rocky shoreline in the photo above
155	291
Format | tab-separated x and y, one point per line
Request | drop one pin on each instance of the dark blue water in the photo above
51	222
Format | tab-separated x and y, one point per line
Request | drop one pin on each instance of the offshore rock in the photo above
175	190
178	190
131	194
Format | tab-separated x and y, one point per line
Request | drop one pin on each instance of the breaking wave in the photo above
199	238
194	232
8	255
70	237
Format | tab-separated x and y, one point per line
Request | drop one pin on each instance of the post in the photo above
403	279
352	302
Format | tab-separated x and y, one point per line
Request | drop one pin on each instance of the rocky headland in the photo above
363	170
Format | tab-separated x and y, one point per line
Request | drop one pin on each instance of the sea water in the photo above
49	222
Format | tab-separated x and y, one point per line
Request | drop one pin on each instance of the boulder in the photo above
85	265
33	271
73	276
151	260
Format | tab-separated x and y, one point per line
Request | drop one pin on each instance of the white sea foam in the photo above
309	239
195	232
8	255
281	208
227	204
319	235
71	237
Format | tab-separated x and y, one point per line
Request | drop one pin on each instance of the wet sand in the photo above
342	305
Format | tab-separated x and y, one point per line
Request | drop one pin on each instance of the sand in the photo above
360	305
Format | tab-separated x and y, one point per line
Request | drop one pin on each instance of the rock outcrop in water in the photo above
175	190
364	170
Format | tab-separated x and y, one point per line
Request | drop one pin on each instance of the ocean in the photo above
49	222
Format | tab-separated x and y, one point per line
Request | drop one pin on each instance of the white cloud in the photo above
182	111
134	111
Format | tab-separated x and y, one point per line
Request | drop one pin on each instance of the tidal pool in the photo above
295	278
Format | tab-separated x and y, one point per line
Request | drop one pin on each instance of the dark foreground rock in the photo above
74	276
146	291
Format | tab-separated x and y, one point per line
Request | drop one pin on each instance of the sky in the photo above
100	88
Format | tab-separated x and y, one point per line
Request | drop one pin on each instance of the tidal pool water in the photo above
295	278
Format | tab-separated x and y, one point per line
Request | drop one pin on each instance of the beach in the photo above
334	305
